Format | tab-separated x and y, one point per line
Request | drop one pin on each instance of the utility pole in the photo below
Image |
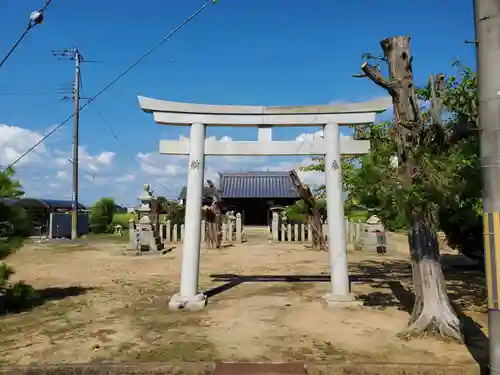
487	30
74	54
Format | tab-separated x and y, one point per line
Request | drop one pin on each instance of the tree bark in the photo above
432	312
212	214
314	216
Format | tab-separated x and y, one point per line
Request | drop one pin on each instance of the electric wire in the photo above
106	87
127	151
31	24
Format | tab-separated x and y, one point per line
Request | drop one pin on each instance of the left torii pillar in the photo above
188	296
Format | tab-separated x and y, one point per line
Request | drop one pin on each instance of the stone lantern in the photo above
147	237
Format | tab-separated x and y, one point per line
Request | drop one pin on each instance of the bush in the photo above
122	219
14	297
14	226
101	215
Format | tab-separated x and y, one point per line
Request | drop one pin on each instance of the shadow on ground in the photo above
465	285
15	302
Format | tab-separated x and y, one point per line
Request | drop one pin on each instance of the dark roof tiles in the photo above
257	185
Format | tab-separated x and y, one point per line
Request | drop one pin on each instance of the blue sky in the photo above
259	52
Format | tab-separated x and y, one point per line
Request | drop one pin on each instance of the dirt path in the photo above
104	306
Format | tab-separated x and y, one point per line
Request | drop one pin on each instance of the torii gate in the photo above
331	145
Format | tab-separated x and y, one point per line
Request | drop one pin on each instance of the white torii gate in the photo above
331	145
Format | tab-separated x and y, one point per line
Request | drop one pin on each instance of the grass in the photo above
200	350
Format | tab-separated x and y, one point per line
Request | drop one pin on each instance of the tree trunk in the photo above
314	216
317	231
432	312
213	215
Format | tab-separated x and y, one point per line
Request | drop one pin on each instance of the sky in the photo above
259	52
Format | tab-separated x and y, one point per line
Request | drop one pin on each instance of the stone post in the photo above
275	226
337	248
131	233
188	297
239	227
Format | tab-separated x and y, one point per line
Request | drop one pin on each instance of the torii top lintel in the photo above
179	113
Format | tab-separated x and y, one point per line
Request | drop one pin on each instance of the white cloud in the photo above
126	178
15	141
309	136
106	157
104	174
62	175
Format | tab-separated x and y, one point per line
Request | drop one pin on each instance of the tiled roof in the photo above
257	185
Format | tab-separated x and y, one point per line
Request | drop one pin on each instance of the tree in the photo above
299	212
313	211
13	228
101	215
13	219
348	165
369	179
174	211
460	204
416	143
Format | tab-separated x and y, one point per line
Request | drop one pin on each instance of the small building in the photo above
253	194
39	210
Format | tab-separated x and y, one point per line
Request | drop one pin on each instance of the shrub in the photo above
101	215
122	219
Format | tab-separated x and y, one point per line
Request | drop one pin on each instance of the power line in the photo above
105	88
35	93
36	18
115	136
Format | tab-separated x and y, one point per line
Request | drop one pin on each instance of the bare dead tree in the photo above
313	214
155	214
432	312
213	217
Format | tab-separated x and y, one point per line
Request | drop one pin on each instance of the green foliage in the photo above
449	187
299	212
122	219
14	297
14	221
173	210
356	213
9	187
13	228
101	215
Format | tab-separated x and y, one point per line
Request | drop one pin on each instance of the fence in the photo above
232	230
283	231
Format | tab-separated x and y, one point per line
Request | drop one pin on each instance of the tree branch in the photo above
374	74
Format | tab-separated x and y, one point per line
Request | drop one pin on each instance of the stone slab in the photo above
235	368
333	301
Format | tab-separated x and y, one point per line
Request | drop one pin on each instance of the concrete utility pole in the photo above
487	29
74	54
76	123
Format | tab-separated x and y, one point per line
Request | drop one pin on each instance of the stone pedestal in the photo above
333	301
177	302
146	236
